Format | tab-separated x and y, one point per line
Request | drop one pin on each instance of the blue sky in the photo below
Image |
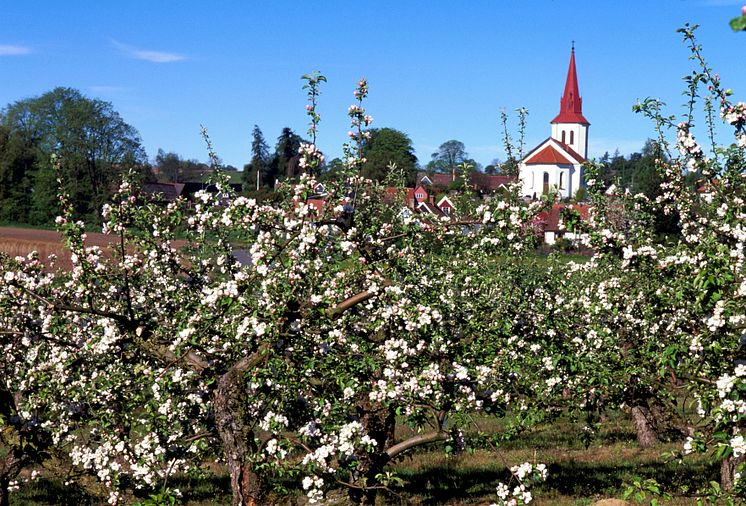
437	70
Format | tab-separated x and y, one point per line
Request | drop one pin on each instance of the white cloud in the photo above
148	54
12	50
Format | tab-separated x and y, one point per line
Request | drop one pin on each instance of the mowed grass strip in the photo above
577	475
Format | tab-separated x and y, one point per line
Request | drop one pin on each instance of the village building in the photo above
551	225
556	164
484	184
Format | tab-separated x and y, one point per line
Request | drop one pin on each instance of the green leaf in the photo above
738	24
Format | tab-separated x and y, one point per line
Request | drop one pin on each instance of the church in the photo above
557	163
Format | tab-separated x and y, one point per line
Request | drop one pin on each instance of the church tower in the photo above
570	126
557	163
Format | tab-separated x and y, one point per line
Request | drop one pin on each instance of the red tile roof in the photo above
490	183
428	208
578	158
317	204
552	217
548	155
441	179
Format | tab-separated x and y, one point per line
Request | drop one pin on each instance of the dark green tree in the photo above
285	160
169	167
17	167
93	144
335	166
258	172
493	168
452	158
449	155
388	146
510	167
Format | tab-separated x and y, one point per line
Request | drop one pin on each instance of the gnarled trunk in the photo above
379	423
10	467
728	470
644	426
4	493
238	440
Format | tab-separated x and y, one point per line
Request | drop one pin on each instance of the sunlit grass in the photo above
577	475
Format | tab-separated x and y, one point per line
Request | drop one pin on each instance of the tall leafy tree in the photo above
17	162
285	160
169	166
92	142
387	146
448	156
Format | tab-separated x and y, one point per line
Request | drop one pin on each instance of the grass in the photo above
577	475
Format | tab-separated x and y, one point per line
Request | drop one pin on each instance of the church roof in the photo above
573	154
548	155
552	152
571	104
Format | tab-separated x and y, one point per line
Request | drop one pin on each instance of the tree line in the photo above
64	140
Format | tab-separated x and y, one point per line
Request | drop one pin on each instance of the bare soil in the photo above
22	241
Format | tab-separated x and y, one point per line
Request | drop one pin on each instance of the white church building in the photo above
557	163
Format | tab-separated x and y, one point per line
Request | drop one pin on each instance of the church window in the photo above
572	137
563	136
546	182
562	181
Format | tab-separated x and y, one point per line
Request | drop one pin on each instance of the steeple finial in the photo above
573	46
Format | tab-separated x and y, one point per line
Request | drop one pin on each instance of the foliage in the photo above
286	158
449	155
259	171
173	169
387	146
738	24
93	145
18	160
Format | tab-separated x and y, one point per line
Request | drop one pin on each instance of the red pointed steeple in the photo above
571	105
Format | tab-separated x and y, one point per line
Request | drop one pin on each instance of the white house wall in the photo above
532	177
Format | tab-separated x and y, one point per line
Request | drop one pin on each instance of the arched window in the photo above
563	136
562	181
572	136
546	182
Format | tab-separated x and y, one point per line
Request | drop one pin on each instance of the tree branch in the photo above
410	443
353	301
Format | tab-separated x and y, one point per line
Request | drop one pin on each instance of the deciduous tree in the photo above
93	145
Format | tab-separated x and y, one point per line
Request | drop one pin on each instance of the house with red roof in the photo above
557	163
478	181
445	205
551	225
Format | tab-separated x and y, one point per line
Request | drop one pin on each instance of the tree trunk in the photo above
728	470
238	440
379	423
10	467
643	418
4	493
